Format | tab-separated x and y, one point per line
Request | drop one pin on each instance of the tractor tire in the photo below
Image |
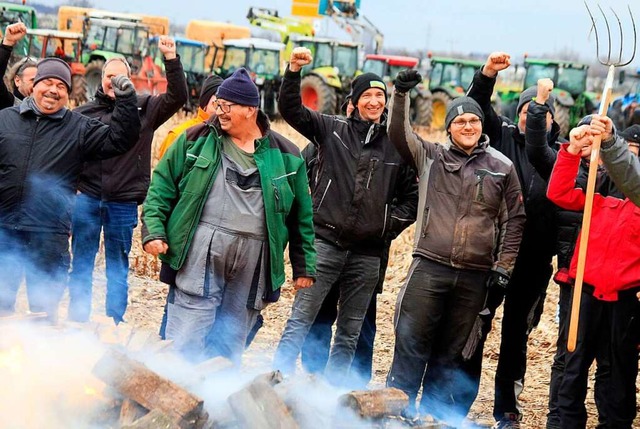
93	77
562	118
318	96
421	111
78	94
439	102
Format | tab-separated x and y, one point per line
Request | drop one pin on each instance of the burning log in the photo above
135	381
258	406
130	411
156	419
376	404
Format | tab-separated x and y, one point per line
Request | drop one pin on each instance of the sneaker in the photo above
509	421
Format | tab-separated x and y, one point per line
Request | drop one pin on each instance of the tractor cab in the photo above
11	13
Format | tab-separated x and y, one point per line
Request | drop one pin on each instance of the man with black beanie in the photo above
363	195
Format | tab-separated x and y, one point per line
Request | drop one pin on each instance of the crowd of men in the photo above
493	204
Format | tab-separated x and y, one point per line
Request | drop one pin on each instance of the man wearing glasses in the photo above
23	72
224	202
469	226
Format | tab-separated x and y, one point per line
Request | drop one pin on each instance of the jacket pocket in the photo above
282	194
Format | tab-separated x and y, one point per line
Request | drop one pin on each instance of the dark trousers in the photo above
435	312
118	220
43	259
607	332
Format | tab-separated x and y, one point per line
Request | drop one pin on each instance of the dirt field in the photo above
147	299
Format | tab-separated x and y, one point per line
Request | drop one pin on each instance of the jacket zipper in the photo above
384	226
373	166
324	194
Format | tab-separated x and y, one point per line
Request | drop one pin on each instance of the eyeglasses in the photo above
461	123
225	107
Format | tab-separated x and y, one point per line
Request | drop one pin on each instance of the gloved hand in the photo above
498	279
407	80
122	86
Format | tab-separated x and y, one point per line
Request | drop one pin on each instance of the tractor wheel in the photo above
421	111
93	77
78	94
439	102
317	95
562	118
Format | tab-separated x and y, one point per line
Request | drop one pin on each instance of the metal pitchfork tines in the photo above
595	153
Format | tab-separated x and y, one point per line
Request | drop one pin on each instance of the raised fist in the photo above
580	138
122	86
407	79
300	57
496	62
14	33
167	47
545	86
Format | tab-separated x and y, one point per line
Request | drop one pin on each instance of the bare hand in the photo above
602	125
167	47
14	33
302	283
156	247
579	138
545	86
300	57
496	62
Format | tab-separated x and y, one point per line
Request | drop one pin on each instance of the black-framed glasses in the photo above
225	107
462	123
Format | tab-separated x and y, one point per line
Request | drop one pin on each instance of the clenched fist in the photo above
14	33
300	57
122	86
167	46
580	138
545	86
496	62
156	247
407	79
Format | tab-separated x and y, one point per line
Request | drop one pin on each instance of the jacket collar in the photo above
103	98
29	105
263	123
482	146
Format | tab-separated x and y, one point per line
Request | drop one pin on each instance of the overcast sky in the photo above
468	26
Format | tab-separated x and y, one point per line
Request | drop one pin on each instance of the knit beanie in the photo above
53	68
631	134
239	88
459	106
209	88
529	94
365	81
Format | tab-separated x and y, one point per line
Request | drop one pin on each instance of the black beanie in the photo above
529	94
209	88
53	68
365	81
631	134
459	106
239	88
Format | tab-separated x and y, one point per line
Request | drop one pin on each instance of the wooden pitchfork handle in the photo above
586	217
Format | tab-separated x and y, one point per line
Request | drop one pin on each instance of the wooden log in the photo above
137	382
258	406
376	404
155	419
130	411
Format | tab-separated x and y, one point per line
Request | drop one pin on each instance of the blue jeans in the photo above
118	220
357	276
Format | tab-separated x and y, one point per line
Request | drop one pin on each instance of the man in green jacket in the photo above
223	203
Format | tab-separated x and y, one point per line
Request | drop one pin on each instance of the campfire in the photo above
100	376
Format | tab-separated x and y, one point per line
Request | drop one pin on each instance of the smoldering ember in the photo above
99	376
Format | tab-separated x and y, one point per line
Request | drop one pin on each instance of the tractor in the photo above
45	43
261	58
11	13
449	78
192	55
388	67
573	101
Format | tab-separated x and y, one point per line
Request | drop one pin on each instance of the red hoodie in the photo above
613	254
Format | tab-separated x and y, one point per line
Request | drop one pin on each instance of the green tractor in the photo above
449	78
261	58
573	101
11	13
388	67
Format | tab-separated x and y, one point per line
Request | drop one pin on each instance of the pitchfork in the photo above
593	167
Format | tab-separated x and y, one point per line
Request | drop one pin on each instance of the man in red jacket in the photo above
608	330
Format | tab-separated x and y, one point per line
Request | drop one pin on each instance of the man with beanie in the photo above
470	218
43	147
622	165
528	284
363	196
206	108
22	73
223	204
110	191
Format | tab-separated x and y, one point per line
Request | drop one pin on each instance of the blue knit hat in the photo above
239	88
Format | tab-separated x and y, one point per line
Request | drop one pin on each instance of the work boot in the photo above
509	421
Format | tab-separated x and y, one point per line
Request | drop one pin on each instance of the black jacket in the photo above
126	178
538	237
543	157
41	158
7	98
363	192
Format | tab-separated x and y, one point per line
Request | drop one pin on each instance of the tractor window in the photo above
35	47
96	36
346	59
435	76
572	80
451	75
127	42
393	71
110	39
234	58
466	76
265	62
192	57
539	71
323	56
374	66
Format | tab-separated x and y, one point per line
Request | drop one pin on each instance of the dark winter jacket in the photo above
539	233
623	167
41	158
126	178
470	213
7	98
359	175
